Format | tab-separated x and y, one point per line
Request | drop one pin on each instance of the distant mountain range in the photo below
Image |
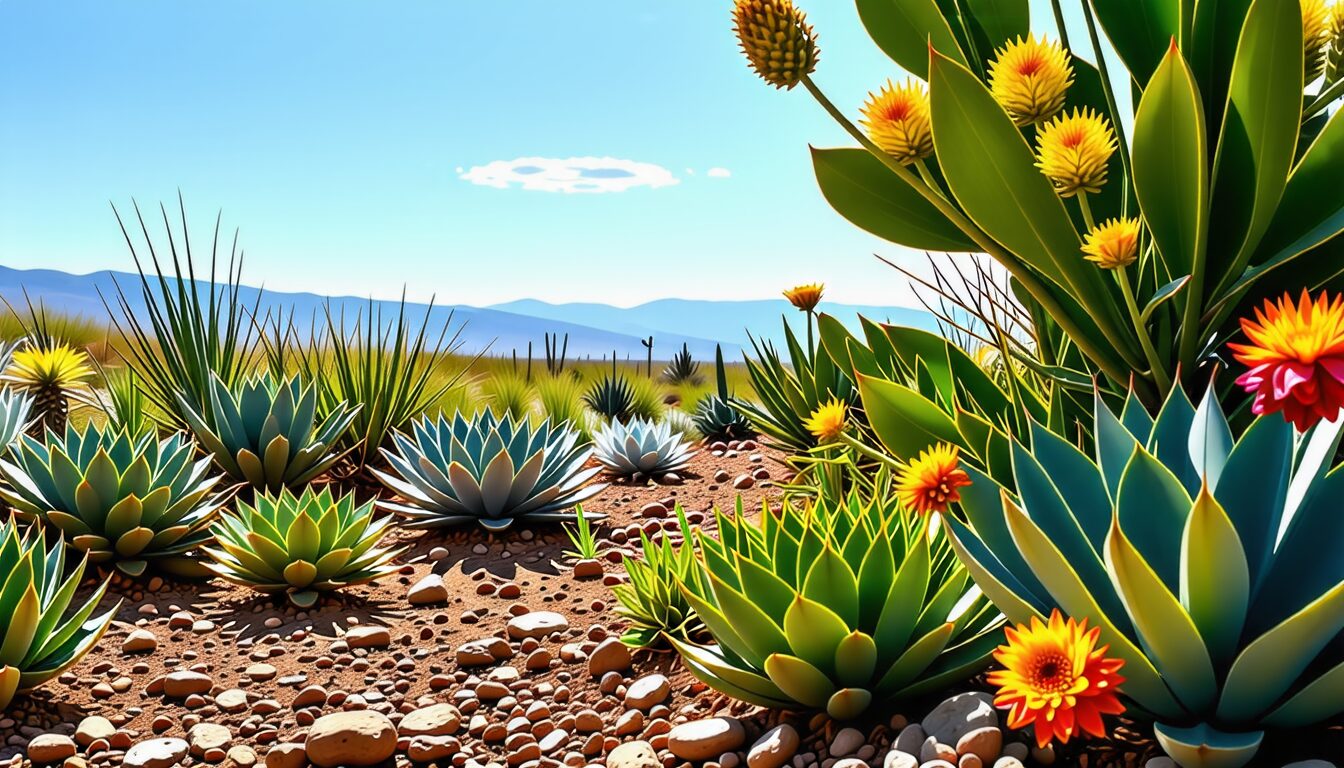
595	330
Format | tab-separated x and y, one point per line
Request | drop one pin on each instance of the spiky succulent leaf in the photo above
611	397
652	601
641	447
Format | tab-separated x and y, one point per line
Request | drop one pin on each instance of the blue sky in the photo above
337	135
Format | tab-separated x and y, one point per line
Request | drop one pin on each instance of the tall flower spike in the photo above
1296	358
1113	244
1057	679
1029	78
897	120
777	40
929	483
1074	150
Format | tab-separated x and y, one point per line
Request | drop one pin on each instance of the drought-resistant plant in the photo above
301	546
15	413
267	433
611	396
682	369
1020	149
788	394
652	600
581	537
123	402
37	640
715	415
641	448
561	399
647	400
53	375
487	469
508	393
835	606
125	500
1199	556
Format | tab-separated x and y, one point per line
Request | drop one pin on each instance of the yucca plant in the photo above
301	546
683	369
652	600
715	415
611	396
125	501
267	433
38	640
835	606
641	448
1200	556
53	375
490	470
786	395
1019	148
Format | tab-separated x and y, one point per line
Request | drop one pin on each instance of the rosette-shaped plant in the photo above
1209	564
301	546
489	470
126	501
641	447
715	415
38	641
268	434
835	606
653	600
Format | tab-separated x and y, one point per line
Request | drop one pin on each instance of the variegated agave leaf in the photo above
641	447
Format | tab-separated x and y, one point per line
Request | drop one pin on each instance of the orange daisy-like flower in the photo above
1029	79
929	483
1296	358
897	119
1074	150
805	297
1113	244
828	421
1056	678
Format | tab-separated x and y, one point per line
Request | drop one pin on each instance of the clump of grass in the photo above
507	393
561	400
581	537
647	401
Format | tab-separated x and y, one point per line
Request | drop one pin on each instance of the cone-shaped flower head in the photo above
805	297
1295	353
1113	244
1029	79
827	422
1073	151
777	40
897	120
1057	679
930	481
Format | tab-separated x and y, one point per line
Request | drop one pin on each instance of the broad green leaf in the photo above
873	198
906	29
1215	579
1317	701
1202	745
1213	47
1140	31
831	583
813	631
799	679
996	22
1312	210
1152	508
904	420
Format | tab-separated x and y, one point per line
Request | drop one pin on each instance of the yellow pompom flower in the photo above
897	120
1113	244
1074	150
827	422
1029	79
777	40
805	297
52	376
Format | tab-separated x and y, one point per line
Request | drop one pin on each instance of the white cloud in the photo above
718	173
570	175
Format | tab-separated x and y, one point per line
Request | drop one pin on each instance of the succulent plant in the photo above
788	394
715	415
37	640
611	396
489	470
653	601
301	545
835	606
267	433
53	375
126	501
683	369
1208	562
641	447
15	411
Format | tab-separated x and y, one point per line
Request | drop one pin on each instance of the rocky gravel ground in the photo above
483	652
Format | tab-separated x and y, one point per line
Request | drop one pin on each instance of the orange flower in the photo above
929	483
1296	358
1074	150
1055	678
828	421
897	119
1029	78
805	297
1113	244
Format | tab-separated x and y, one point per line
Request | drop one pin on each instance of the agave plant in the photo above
683	369
1200	556
489	470
789	394
125	501
1108	238
641	448
302	545
15	410
267	433
715	415
611	397
835	606
37	640
652	601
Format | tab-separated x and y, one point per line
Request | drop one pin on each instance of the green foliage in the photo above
508	393
581	537
38	641
788	394
125	501
646	401
125	405
267	433
715	415
301	545
15	413
836	606
611	397
682	369
561	399
652	600
641	448
489	470
1168	538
